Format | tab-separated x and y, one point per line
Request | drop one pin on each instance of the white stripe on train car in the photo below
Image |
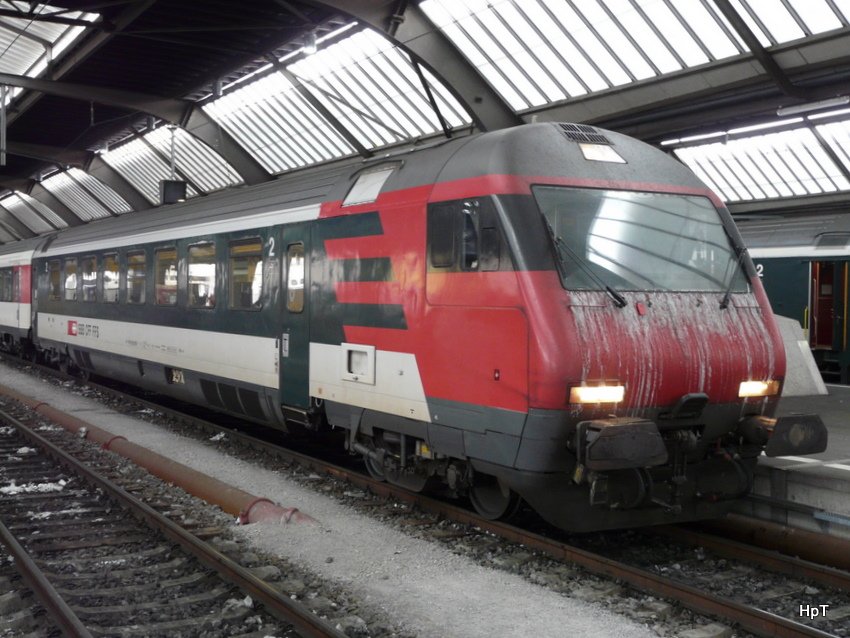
15	315
16	259
390	383
243	358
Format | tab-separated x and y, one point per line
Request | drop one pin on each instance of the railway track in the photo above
101	562
757	616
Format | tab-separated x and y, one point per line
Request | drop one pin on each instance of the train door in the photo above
295	337
829	283
22	295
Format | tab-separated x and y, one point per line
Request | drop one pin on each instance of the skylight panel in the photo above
140	165
69	191
42	209
753	22
372	93
694	158
28	51
785	164
273	121
197	161
542	51
103	193
629	54
711	29
26	215
837	136
759	179
669	25
816	14
779	22
583	29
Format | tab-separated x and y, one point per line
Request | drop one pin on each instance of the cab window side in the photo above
463	236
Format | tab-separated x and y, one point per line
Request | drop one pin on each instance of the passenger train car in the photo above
803	263
553	312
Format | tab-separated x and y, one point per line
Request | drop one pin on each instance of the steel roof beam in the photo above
406	25
761	54
171	110
167	109
7	26
57	19
52	154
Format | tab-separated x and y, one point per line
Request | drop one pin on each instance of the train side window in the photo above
246	274
136	272
469	260
165	276
463	235
441	235
71	279
89	268
295	277
202	276
111	278
6	284
54	280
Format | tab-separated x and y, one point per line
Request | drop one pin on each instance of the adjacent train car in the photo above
16	296
553	312
803	262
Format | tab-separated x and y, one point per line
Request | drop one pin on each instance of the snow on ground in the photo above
430	590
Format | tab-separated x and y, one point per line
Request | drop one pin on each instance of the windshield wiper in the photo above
727	296
563	249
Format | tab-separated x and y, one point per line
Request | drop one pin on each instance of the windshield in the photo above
639	241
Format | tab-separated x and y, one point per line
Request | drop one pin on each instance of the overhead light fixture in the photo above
310	46
813	106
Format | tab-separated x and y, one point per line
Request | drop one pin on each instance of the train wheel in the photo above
492	499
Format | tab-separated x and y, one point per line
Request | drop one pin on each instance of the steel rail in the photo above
275	603
769	559
50	599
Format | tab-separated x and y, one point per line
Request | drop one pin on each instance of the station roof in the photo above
106	99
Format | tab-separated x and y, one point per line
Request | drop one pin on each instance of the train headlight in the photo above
758	388
597	393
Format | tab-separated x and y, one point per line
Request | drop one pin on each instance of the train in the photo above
552	314
803	261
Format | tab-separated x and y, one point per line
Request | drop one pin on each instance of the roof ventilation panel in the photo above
584	133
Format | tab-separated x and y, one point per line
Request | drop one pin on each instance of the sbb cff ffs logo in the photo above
72	328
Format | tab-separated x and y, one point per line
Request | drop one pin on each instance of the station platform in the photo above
811	492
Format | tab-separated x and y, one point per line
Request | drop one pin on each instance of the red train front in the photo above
590	335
